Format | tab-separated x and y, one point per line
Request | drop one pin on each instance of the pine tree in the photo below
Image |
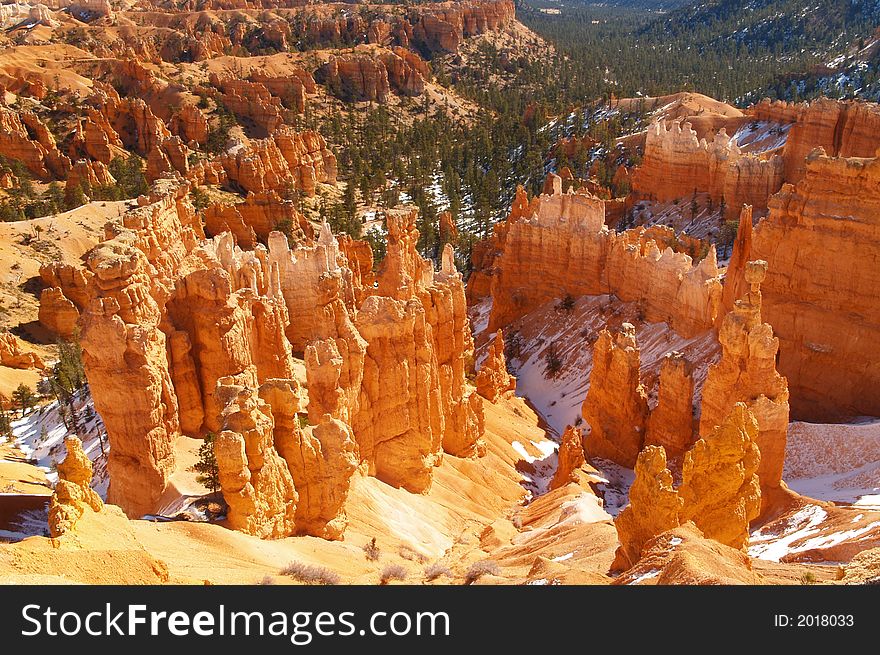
206	467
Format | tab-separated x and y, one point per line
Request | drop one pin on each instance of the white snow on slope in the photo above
40	436
835	462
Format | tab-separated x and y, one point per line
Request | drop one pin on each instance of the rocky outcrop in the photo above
654	507
255	480
747	373
735	278
720	486
355	78
671	423
190	124
24	138
87	175
73	495
493	380
571	458
57	313
321	460
558	245
616	406
676	164
293	88
255	218
251	101
12	355
843	128
819	294
288	159
441	27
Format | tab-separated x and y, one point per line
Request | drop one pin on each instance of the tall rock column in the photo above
616	406
654	507
671	424
493	380
126	362
255	480
747	373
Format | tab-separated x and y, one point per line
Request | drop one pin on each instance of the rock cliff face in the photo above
616	407
557	245
250	100
24	138
654	507
819	295
676	163
371	73
719	492
356	77
255	218
288	158
73	494
671	423
12	355
493	379
720	486
441	27
747	373
842	128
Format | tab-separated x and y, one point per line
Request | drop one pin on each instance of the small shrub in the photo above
435	570
392	572
412	555
267	580
478	569
310	574
554	363
808	578
371	550
566	304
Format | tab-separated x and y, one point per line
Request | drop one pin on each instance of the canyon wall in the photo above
844	128
558	245
820	293
677	164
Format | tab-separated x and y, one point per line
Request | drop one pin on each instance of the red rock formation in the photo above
356	77
720	486
321	460
493	380
250	100
654	507
287	159
671	423
441	27
747	373
616	406
735	280
88	175
13	356
292	88
676	164
73	494
558	245
819	295
843	128
24	138
57	313
255	480
190	124
571	458
253	219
